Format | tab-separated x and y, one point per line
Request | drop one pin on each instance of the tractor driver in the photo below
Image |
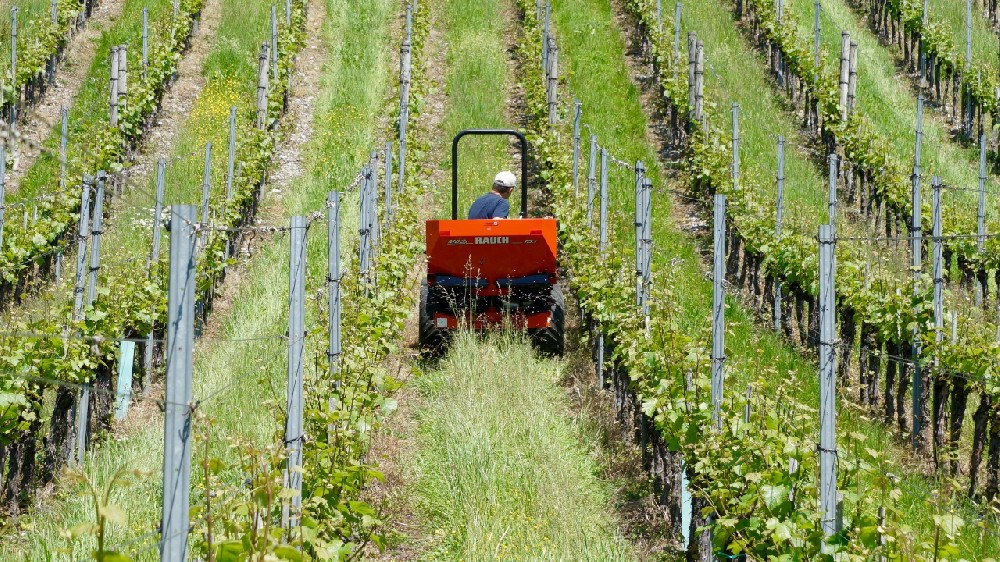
494	204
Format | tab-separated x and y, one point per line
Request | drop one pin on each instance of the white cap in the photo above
505	179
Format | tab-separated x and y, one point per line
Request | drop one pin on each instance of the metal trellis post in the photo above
828	381
604	205
831	202
577	110
387	180
63	140
154	258
177	396
778	218
294	426
915	250
145	40
981	214
591	181
718	306
3	185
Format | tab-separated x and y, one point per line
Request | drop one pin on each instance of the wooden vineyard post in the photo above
122	86
718	307
113	89
827	388
845	74
262	86
852	79
230	170
177	397
778	217
294	426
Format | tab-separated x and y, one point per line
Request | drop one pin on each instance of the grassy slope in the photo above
502	472
891	106
951	13
346	115
592	48
477	84
231	80
31	15
90	109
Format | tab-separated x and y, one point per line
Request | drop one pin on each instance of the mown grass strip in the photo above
478	82
755	356
502	471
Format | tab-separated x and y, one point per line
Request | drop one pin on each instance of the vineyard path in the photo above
72	70
491	415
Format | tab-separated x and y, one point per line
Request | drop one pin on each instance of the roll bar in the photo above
489	132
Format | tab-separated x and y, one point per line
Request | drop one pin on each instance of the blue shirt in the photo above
489	206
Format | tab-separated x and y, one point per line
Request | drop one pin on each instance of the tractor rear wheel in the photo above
552	340
432	338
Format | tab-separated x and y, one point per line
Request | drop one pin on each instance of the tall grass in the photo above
478	82
951	13
241	378
591	44
502	473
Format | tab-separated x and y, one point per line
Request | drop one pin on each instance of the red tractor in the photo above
488	274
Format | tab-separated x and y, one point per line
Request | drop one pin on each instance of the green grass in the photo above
888	100
592	48
32	15
502	472
90	108
242	382
230	71
951	13
478	82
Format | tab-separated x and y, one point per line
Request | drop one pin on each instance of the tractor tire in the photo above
552	340
432	339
